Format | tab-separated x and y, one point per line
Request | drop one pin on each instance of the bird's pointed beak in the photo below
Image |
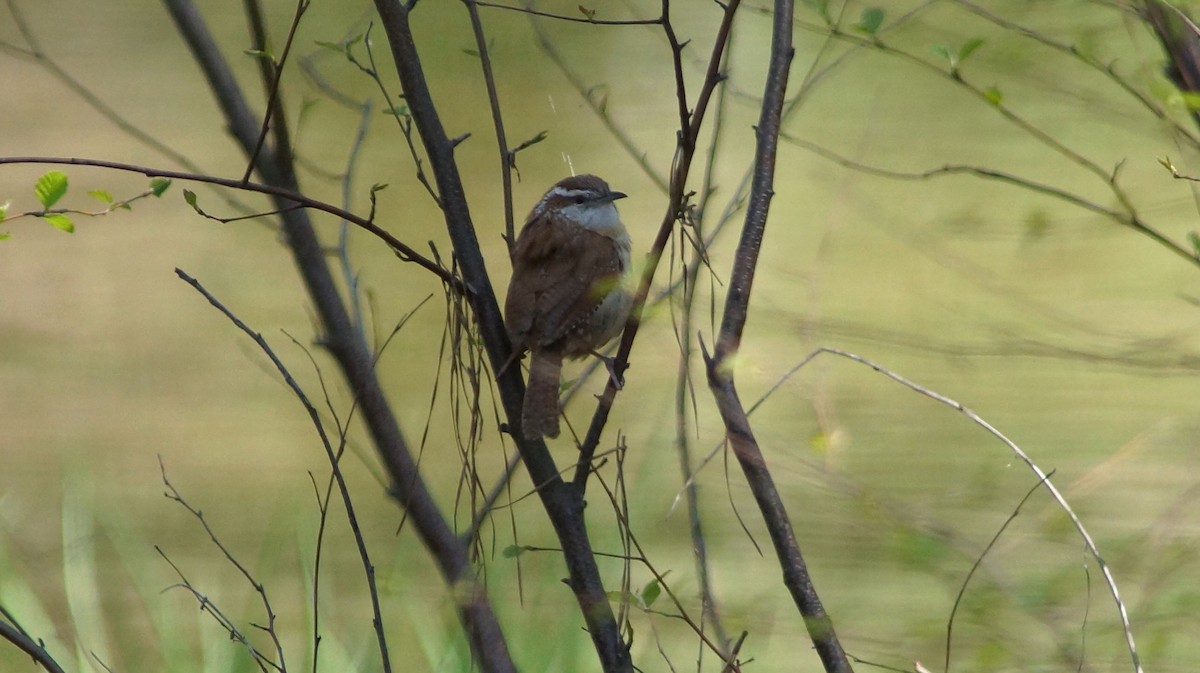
613	196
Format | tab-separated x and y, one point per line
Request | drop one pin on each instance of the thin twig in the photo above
719	366
258	587
962	590
507	158
333	458
404	252
1042	476
271	72
677	186
222	619
576	19
12	631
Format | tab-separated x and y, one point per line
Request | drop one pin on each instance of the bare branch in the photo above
563	504
1043	478
11	631
720	365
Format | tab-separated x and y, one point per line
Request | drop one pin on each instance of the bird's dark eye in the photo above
578	200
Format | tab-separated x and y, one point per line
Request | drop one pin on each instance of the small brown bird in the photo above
570	291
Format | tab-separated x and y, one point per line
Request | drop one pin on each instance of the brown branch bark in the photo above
14	634
353	356
563	504
720	365
684	152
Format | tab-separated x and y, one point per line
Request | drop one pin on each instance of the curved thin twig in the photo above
1042	476
404	251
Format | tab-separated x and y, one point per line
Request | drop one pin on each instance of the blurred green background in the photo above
1075	337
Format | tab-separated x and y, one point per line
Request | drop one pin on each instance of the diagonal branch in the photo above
684	152
11	631
563	504
356	361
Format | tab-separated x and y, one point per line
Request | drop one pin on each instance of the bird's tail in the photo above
539	416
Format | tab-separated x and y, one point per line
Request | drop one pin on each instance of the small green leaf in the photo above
4	236
159	185
943	51
513	551
398	111
190	197
471	52
821	7
993	95
50	188
378	187
872	19
258	53
1194	238
589	13
1191	100
332	46
100	195
650	593
969	48
820	442
4	209
61	222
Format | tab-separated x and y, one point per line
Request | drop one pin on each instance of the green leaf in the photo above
190	197
4	236
61	222
650	593
258	53
332	46
159	185
1194	238
943	51
821	7
100	195
993	95
50	188
513	551
969	48
872	19
1191	100
4	209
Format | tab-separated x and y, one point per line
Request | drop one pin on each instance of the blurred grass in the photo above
1075	337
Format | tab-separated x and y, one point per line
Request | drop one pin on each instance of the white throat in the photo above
602	219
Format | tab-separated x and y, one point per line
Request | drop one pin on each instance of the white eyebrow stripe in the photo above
569	193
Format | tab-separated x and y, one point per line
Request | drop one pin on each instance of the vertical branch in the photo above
684	152
507	158
720	365
684	386
271	72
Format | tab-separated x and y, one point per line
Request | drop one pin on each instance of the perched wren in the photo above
570	291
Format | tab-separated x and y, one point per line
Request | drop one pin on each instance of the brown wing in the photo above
562	273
